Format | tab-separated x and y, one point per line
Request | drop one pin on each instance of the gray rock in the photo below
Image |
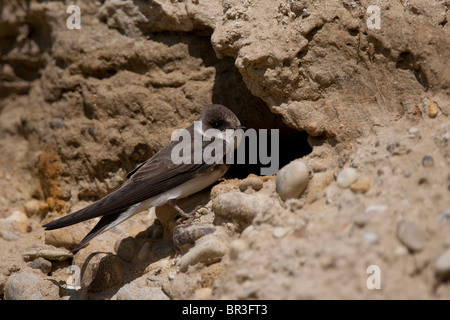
292	180
28	286
409	236
442	266
428	161
346	177
42	264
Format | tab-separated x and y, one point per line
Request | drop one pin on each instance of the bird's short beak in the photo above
239	127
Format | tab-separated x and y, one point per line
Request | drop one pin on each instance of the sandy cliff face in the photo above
79	108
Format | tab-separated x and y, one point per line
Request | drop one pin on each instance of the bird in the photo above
160	179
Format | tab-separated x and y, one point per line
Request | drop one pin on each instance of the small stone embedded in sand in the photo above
251	182
371	237
279	232
347	177
427	161
442	266
409	236
362	185
433	109
305	14
292	180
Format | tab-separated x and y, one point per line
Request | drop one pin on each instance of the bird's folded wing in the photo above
149	180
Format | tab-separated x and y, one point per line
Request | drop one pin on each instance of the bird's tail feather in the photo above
105	223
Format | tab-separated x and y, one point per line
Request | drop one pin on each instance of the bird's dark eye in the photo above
216	124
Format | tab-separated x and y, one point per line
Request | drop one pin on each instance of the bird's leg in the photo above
181	212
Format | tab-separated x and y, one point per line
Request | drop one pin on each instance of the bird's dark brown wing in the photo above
157	175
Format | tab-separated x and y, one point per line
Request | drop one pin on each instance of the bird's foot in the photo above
184	215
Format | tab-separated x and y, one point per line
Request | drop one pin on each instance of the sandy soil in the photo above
79	108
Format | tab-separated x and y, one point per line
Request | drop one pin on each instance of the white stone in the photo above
347	177
292	180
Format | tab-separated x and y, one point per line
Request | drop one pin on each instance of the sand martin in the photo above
160	180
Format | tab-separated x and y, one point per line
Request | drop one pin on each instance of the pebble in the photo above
42	264
126	248
305	13
371	237
207	252
57	123
377	208
428	161
347	177
237	247
433	109
251	182
279	232
29	286
292	180
188	234
409	236
442	266
361	185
